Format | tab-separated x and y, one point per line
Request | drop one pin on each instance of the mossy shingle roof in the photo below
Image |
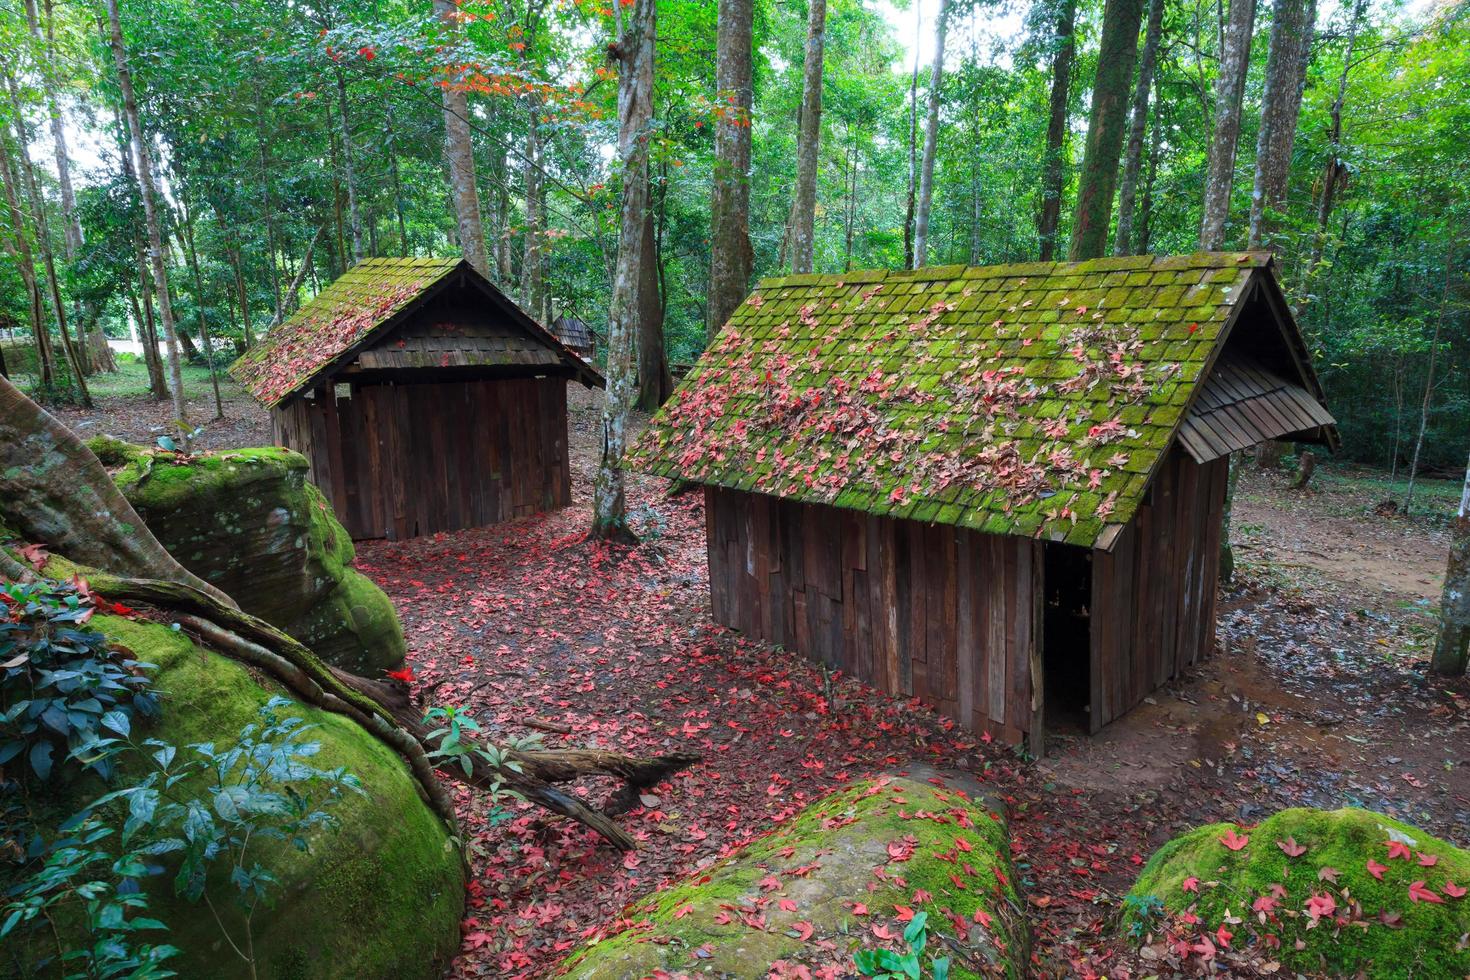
348	314
1029	399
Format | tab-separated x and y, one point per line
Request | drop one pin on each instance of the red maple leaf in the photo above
803	930
903	913
1397	849
1264	904
1320	905
1452	890
1420	892
405	675
1428	860
1190	884
1233	840
1222	936
786	905
1375	869
1291	848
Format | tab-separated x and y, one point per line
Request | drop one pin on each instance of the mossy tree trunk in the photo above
55	492
1452	650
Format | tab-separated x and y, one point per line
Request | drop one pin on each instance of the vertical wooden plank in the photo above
993	586
1018	626
1036	679
964	622
887	601
715	557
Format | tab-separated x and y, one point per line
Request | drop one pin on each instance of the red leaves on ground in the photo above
1321	905
1233	840
903	913
1428	860
1375	869
902	849
405	675
1452	890
786	905
1190	884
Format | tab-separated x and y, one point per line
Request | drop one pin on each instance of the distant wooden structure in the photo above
996	489
424	399
575	334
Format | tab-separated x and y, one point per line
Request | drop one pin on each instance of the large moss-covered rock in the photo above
381	895
1323	892
249	522
843	875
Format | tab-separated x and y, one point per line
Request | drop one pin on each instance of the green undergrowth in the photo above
814	891
1323	910
379	896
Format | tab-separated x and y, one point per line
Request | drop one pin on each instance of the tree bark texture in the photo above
809	136
1117	51
1123	243
1229	89
143	163
1053	175
19	246
533	272
354	215
730	253
1452	648
1335	172
635	50
931	141
463	190
1292	27
654	381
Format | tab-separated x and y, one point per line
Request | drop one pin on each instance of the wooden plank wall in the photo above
402	460
1153	595
938	613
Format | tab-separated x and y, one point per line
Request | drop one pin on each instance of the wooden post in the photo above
1036	737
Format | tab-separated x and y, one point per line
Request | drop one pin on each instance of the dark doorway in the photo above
1066	640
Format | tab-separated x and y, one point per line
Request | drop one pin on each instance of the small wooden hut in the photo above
575	334
424	399
996	489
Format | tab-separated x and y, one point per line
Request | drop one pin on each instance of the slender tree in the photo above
730	253
354	213
19	246
804	206
1235	58
634	50
1452	648
1335	171
908	215
1123	244
654	382
1286	73
533	260
1117	51
143	164
1053	173
463	191
931	140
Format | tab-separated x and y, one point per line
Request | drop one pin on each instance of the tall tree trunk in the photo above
533	280
262	146
931	141
908	216
1444	300
43	237
1117	50
349	169
463	190
1452	648
730	254
1334	174
237	268
186	233
157	383
1133	158
1292	27
852	190
635	50
1144	234
1229	89
143	162
654	381
20	247
391	132
808	140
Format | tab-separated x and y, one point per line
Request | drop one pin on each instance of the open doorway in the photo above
1066	641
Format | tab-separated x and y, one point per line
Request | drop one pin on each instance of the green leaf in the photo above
916	926
118	721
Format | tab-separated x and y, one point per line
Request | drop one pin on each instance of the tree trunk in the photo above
390	131
157	383
43	238
20	247
654	381
463	190
1286	73
808	140
349	168
1452	648
1138	124
635	50
186	231
1053	175
1229	90
931	141
908	216
533	280
730	253
1444	299
1144	234
1335	172
142	161
267	201
1117	50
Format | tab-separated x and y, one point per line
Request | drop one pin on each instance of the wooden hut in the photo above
575	333
996	489
424	399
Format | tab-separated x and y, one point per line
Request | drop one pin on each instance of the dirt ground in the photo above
1317	696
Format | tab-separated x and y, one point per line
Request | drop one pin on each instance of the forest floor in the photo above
1317	697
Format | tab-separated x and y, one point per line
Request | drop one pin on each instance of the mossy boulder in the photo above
843	875
249	522
1340	893
381	895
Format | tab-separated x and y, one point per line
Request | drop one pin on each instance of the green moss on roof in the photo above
333	322
1009	399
